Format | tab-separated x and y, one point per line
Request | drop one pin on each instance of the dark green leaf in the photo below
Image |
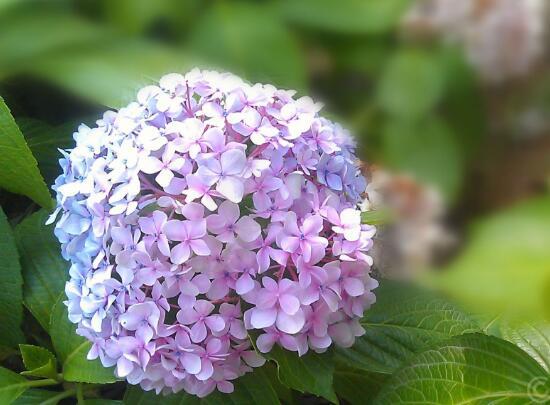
412	84
135	395
18	168
11	298
311	373
111	73
38	361
358	387
403	321
249	40
12	385
464	103
29	34
73	349
252	388
134	16
35	397
44	270
504	267
472	368
347	16
44	141
427	150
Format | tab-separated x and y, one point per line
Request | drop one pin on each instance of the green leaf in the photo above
87	59
18	168
135	16
44	270
252	388
38	361
427	150
103	402
356	386
412	84
472	368
73	349
111	73
247	39
464	102
135	395
346	16
311	373
504	267
6	4
404	320
44	140
28	34
532	337
11	298
12	385
35	397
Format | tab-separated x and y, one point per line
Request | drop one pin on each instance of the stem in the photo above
79	395
258	150
42	383
231	300
292	273
158	192
59	397
188	107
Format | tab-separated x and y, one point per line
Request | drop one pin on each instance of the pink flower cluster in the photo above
207	209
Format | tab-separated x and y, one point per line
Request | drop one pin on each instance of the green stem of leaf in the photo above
42	383
79	395
59	397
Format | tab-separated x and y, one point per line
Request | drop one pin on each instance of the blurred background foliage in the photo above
422	113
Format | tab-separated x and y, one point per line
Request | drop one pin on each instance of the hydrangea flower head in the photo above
204	213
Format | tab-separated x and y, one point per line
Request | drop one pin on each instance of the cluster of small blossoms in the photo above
502	38
207	209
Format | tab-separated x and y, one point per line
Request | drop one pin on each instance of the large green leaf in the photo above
472	368
464	102
111	73
73	349
18	168
44	270
346	16
356	386
504	267
404	321
249	40
426	149
253	388
134	16
412	84
311	373
30	33
11	298
135	395
531	337
12	385
87	59
36	397
38	361
44	140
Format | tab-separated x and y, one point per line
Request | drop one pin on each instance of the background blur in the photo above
449	100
